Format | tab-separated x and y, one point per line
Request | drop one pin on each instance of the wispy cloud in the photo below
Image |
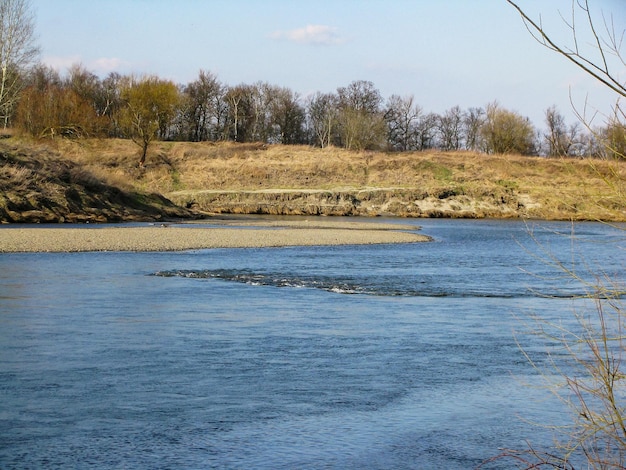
101	66
310	34
61	63
108	64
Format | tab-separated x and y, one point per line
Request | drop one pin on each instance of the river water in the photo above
356	357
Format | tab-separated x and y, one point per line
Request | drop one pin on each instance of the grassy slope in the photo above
421	183
37	184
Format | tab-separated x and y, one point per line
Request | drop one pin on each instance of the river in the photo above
352	357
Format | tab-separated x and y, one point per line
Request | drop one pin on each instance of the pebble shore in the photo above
177	238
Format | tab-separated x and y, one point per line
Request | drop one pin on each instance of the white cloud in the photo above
107	64
310	34
100	66
61	64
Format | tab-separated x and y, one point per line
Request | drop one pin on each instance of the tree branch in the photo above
599	72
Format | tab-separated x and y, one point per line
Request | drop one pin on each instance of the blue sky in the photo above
444	52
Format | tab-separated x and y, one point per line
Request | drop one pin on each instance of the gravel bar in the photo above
168	238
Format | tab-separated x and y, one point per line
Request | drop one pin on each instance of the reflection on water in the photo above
256	358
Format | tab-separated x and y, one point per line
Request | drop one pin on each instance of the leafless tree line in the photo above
355	117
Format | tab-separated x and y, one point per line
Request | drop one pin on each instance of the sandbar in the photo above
178	237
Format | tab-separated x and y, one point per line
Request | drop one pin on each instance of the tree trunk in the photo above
144	152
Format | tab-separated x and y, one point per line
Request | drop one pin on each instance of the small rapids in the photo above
374	286
280	280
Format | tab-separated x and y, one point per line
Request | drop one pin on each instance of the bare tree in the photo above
614	136
473	120
41	76
403	117
426	131
238	99
200	111
260	96
361	121
287	117
360	95
17	51
322	112
109	102
562	140
451	129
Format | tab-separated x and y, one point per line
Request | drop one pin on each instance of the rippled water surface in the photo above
368	357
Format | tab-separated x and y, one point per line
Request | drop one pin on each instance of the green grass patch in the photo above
508	184
177	185
440	172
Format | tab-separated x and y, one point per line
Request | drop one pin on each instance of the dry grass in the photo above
557	187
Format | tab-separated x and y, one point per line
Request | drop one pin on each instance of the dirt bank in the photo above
365	202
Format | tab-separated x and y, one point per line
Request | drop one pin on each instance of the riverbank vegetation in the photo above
59	179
